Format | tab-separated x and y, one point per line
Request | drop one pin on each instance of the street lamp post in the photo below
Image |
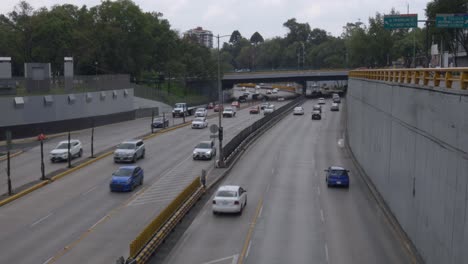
220	114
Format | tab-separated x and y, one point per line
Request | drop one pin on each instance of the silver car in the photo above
204	150
130	151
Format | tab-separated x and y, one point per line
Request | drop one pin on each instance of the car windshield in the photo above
62	146
298	108
198	119
316	106
338	173
228	109
126	146
204	145
123	172
179	105
200	110
270	107
225	193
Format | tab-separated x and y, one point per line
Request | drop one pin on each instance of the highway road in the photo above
291	216
25	168
77	219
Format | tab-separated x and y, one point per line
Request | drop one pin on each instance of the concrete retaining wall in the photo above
413	144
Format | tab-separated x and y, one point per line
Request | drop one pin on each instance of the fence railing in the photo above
439	77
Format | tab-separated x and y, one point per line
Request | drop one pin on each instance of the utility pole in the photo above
8	138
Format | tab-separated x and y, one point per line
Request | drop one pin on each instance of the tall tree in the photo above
235	37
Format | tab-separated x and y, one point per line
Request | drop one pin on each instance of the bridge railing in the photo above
439	77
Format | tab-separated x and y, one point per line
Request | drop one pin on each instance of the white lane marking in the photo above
234	257
248	249
326	252
268	187
318	190
90	190
321	215
40	220
97	223
273	171
47	261
260	214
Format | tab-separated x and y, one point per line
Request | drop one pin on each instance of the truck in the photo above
182	109
313	90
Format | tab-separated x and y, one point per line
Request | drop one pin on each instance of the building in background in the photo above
203	36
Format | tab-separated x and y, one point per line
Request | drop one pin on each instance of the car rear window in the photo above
126	146
338	173
204	145
225	193
123	172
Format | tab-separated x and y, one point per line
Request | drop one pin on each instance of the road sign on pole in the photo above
401	21
452	20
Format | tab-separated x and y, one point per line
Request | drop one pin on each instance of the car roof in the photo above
336	168
71	141
132	167
200	109
316	112
207	141
132	141
229	188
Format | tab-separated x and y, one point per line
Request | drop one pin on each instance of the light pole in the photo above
220	114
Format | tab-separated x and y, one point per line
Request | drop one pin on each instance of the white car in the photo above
298	110
229	199
335	107
321	101
204	150
199	122
201	112
269	109
229	112
60	152
280	98
130	151
242	88
275	91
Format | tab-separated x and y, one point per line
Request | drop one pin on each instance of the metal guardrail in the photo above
231	146
152	229
438	77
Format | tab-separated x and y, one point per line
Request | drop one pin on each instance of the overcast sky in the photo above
265	16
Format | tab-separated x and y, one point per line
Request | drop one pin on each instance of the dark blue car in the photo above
126	178
337	176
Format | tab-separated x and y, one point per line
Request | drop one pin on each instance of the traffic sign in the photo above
401	21
452	20
213	128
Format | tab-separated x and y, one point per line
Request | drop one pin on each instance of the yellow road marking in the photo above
250	232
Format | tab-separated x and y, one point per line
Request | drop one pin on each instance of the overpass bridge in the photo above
298	76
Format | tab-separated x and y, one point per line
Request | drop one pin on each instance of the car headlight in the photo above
129	180
208	152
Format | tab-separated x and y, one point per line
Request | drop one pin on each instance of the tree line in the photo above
118	37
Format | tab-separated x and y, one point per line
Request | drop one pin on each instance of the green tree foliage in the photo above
117	35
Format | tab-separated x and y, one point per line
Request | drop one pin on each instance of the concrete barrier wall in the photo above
35	110
413	144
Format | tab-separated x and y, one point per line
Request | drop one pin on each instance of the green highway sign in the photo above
401	21
452	20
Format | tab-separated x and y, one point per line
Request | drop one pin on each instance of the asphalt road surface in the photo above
77	220
291	216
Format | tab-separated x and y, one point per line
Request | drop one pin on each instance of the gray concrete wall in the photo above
413	144
35	110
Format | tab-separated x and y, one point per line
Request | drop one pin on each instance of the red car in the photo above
210	106
235	104
218	108
254	110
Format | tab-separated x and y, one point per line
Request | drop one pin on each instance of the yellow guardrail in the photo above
151	229
437	77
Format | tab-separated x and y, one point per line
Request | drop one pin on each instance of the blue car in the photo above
126	178
337	176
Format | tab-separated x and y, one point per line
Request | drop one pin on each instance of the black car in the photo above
316	115
242	99
160	122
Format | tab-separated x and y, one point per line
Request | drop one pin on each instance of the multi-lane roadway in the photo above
77	220
291	216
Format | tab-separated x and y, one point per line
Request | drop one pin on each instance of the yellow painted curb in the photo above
23	193
84	164
11	155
